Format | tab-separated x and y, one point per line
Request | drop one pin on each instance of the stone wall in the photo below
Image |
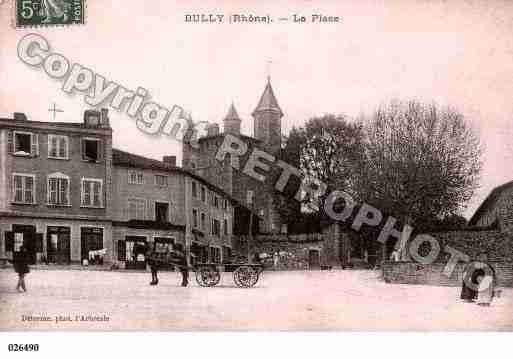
414	273
496	244
293	250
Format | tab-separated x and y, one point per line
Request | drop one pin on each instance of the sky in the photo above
456	53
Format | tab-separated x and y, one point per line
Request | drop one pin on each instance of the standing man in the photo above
20	263
154	270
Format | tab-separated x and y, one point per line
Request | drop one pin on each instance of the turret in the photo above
232	121
267	120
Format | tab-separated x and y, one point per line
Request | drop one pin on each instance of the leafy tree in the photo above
331	150
326	149
422	162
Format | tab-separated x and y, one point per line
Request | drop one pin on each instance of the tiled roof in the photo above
489	202
30	122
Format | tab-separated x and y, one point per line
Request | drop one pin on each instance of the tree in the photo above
326	149
421	163
331	149
288	208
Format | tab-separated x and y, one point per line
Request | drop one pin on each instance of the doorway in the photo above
58	245
91	239
135	252
25	235
314	259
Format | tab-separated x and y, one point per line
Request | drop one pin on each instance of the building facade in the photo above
157	202
260	197
55	187
65	193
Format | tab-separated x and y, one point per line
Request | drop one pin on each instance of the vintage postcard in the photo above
174	166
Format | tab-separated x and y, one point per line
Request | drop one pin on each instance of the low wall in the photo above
293	249
496	244
414	273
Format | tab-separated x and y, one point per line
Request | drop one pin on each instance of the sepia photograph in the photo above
255	167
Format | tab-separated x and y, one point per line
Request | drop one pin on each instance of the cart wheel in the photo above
207	276
245	277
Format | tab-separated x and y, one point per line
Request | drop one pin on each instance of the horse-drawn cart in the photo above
245	275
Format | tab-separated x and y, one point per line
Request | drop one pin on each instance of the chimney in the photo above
104	122
92	118
20	116
169	160
213	129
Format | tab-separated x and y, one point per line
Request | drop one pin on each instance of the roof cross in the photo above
54	109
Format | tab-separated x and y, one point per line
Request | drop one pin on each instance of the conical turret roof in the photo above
232	114
268	101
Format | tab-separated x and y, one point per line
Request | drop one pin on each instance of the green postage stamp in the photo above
49	12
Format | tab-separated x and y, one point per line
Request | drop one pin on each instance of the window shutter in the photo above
121	251
9	241
10	141
39	242
34	149
82	144
100	150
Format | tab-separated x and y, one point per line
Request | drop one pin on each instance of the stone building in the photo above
64	193
496	209
55	188
158	202
267	136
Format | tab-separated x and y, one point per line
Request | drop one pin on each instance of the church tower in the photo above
232	121
267	120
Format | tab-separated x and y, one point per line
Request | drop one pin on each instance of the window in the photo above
249	197
58	147
225	204
193	165
135	177
227	254
216	201
58	190
225	226
203	194
26	144
136	209
194	189
195	218
161	212
161	181
215	254
91	149
92	192
203	221
24	188
216	227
